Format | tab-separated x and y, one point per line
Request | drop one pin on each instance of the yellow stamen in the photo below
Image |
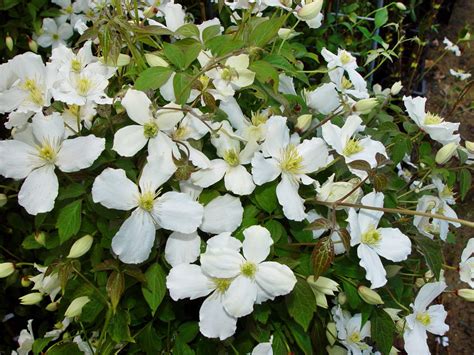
222	284
352	147
47	153
76	65
258	118
424	318
231	157
355	337
248	269
36	94
83	86
146	201
345	57
431	119
150	129
291	160
371	237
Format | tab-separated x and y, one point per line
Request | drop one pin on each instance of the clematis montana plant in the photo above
182	184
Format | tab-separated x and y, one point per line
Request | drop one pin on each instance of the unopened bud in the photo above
446	153
341	298
401	6
31	298
364	106
286	33
9	42
396	88
75	308
33	45
369	295
81	246
40	238
3	200
52	307
331	333
25	281
155	61
6	269
303	123
311	10
470	147
400	325
466	294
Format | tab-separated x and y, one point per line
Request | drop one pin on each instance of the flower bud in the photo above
31	298
401	6
81	246
6	269
155	61
40	238
287	33
466	37
3	200
331	333
396	88
9	42
341	298
470	147
52	307
75	308
400	325
25	281
364	106
303	122
32	45
466	294
310	10
369	295
446	153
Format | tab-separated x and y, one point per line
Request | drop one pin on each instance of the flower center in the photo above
231	157
291	160
355	337
345	83
371	237
36	95
180	133
431	119
228	74
248	269
345	58
83	86
258	118
76	65
447	192
69	9
424	318
204	79
47	153
352	147
222	284
146	201
55	37
150	129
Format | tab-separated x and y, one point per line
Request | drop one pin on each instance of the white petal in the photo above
264	170
182	248
333	136
178	212
325	99
48	129
415	341
415	108
277	136
275	279
234	113
228	206
257	243
437	323
168	118
79	153
208	177
137	105
129	140
370	261
156	172
174	16
239	181
214	321
221	262
113	189
468	250
240	296
263	349
135	238
224	240
18	159
394	245
355	232
368	218
314	153
357	79
160	144
427	294
245	78
39	191
289	199
188	281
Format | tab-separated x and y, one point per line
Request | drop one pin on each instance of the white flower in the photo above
75	117
72	11
236	177
26	340
254	280
263	348
174	16
36	158
343	141
425	319
54	33
59	328
325	99
290	161
130	139
46	284
341	62
466	266
432	124
322	287
450	46
445	193
460	74
84	346
310	12
332	191
173	210
374	242
350	331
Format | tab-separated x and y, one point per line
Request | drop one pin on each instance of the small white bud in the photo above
52	307
396	88
33	45
369	295
31	298
155	61
25	281
310	10
81	246
9	42
401	6
6	269
446	153
75	308
364	106
303	122
287	33
470	147
466	294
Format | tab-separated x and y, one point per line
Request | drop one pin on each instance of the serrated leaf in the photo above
188	30
155	287
115	288
431	250
153	78
465	182
265	31
382	330
360	165
69	221
302	304
322	256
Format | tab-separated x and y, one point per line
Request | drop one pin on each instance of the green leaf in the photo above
188	331
118	327
301	337
115	287
153	78
265	73
155	288
224	44
431	250
381	17
302	304
71	191
175	55
69	221
353	297
276	229
322	256
210	32
188	30
465	181
265	31
382	330
266	198
181	348
182	87
64	349
40	344
148	340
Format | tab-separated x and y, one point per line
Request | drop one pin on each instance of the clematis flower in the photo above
350	331
432	124
322	287
38	153
173	210
46	284
310	12
343	62
460	74
343	141
293	162
450	46
425	319
263	348
253	279
130	139
374	242
466	266
54	33
72	11
25	340
231	167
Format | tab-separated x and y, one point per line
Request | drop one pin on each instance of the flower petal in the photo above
18	159
221	262
48	129
240	296
79	153
257	243
228	206
277	136
437	323
368	218
113	189
129	140
39	191
188	281
415	341
427	294
168	118
214	321
156	172
239	181
370	261
314	153
137	105
289	199
208	177
182	248
224	240
275	279
264	170
394	245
